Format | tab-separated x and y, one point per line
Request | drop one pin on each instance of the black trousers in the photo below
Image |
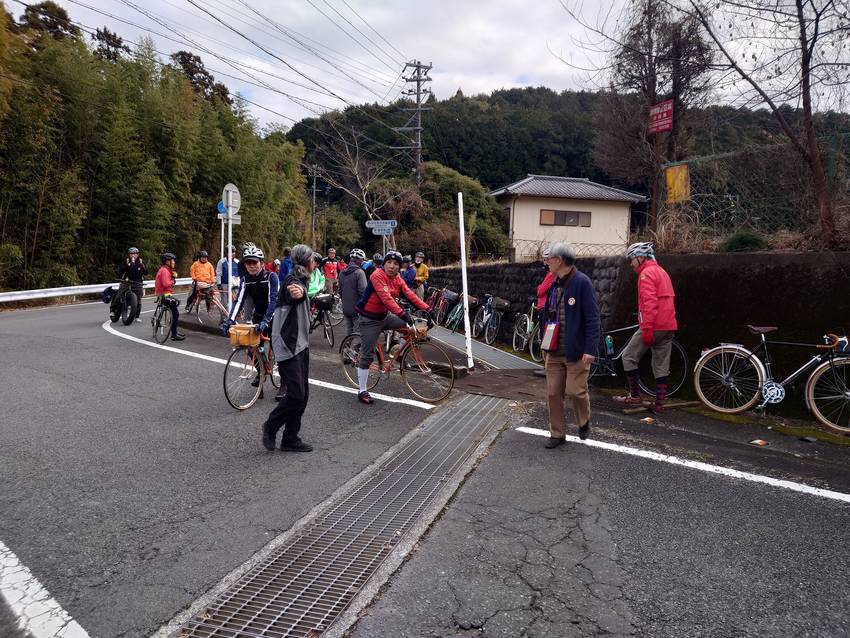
294	375
171	304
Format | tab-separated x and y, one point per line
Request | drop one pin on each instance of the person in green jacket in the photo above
317	279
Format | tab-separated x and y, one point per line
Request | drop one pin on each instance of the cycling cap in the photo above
133	251
356	253
394	255
420	254
641	249
164	257
203	253
252	252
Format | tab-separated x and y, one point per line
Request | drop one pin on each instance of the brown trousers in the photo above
566	380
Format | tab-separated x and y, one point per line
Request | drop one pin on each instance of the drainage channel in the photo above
301	588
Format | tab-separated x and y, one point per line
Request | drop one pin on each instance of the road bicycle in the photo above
320	315
206	307
336	314
489	318
426	368
248	366
527	332
448	300
731	378
125	302
608	362
454	321
161	321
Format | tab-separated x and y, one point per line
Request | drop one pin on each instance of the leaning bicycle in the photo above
206	307
731	378
321	315
489	318
248	366
526	333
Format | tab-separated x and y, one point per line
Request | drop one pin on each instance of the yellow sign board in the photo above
678	183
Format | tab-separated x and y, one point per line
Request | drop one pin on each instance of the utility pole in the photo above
418	78
314	169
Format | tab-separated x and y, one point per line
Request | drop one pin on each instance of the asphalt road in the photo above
129	488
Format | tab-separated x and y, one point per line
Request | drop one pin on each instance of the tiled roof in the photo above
566	187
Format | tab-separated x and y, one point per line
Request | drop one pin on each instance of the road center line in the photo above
38	613
322	384
704	467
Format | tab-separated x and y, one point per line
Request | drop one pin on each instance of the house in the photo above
545	208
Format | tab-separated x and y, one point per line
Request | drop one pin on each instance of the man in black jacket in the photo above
133	270
352	283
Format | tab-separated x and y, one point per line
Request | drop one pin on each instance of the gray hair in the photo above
564	251
301	255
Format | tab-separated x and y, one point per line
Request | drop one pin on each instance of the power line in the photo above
368	39
414	124
403	56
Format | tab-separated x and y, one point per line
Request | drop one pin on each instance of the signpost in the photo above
382	230
232	201
382	227
661	117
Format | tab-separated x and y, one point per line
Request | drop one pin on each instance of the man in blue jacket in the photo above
571	316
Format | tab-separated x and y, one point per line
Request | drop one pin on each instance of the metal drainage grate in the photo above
299	590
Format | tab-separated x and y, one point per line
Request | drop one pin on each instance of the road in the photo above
130	488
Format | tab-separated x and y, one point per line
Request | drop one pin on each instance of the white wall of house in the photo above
608	229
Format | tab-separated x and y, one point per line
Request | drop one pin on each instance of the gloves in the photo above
263	327
406	318
648	337
225	327
430	321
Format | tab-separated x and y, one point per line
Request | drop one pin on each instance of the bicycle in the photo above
489	318
161	321
454	321
125	302
425	367
206	296
336	314
527	332
606	362
320	315
248	366
730	378
444	306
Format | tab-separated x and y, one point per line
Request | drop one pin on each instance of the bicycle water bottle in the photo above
609	344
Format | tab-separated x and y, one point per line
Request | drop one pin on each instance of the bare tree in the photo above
786	53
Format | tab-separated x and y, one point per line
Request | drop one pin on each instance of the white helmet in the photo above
252	252
356	253
641	249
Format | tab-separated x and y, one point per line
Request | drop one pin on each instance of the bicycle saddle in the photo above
761	330
530	299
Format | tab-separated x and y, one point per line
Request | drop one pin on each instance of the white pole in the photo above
228	203
221	234
466	327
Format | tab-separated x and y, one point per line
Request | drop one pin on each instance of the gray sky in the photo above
475	46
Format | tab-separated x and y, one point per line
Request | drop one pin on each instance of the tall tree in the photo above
48	18
110	46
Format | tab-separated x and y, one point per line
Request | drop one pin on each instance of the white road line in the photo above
704	467
322	384
36	610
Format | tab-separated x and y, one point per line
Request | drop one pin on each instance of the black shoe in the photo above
553	442
296	445
281	393
268	440
365	397
584	431
178	337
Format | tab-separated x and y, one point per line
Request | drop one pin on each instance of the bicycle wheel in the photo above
161	324
728	380
128	309
828	394
328	329
492	328
455	317
336	315
442	312
534	348
349	354
478	322
275	374
243	379
676	378
520	340
427	371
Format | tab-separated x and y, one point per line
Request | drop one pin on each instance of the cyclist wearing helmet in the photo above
373	264
408	272
657	317
379	311
203	273
548	280
421	274
352	284
330	269
133	271
273	266
317	279
258	290
166	277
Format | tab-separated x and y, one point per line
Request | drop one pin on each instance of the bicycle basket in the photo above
450	295
324	302
244	335
501	305
420	328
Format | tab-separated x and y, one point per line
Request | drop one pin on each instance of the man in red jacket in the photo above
657	318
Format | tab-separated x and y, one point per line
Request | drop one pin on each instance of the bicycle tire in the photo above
427	371
726	379
328	329
492	329
675	379
828	395
336	314
520	338
240	373
534	345
442	312
455	317
349	355
275	373
129	307
478	322
162	324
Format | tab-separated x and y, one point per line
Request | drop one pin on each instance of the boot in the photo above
633	387
660	395
268	438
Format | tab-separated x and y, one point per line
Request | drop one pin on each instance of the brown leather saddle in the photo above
762	330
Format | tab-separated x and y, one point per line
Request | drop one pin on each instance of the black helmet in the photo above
203	253
164	257
407	259
395	255
420	254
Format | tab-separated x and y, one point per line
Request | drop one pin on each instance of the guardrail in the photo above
70	291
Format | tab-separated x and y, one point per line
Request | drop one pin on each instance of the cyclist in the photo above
408	272
258	290
379	311
221	270
542	293
166	277
202	272
133	270
352	283
421	274
657	318
330	268
273	266
317	279
373	264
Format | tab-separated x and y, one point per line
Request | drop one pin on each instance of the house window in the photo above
564	218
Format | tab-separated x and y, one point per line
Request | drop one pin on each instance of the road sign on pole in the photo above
382	223
232	202
221	208
382	230
231	198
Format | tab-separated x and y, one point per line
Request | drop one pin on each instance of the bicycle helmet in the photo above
641	249
250	251
331	250
407	259
317	258
164	257
545	253
420	254
203	253
395	255
356	253
133	251
377	257
277	262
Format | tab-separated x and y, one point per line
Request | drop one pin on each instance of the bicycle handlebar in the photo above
832	345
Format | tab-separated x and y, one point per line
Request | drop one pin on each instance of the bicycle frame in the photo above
605	360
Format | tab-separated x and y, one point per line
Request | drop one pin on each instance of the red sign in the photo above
661	117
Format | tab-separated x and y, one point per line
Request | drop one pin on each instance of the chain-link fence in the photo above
516	251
